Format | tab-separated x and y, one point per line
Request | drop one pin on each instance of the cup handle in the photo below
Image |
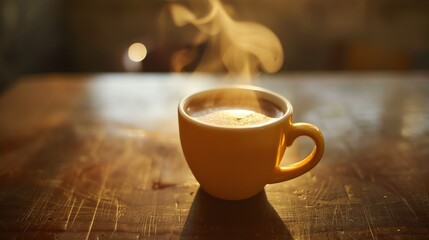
294	170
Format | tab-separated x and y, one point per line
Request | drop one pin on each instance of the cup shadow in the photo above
254	218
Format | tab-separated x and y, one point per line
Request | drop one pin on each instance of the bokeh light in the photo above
137	52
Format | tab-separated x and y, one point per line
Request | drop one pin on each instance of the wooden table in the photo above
99	157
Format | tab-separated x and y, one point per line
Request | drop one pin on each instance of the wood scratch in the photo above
397	192
408	205
351	194
93	217
68	216
152	224
115	227
32	209
179	211
66	204
35	212
367	218
36	205
335	212
337	203
155	224
318	192
392	216
103	184
145	226
77	212
180	216
349	191
117	215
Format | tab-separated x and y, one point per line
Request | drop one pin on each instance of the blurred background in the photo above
76	36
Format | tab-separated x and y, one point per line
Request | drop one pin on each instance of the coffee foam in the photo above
232	117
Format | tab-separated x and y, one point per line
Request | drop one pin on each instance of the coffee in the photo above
246	113
233	108
232	117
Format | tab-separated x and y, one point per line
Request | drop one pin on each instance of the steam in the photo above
241	48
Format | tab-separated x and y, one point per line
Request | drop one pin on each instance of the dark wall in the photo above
93	35
31	38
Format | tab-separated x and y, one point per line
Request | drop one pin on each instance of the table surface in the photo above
99	157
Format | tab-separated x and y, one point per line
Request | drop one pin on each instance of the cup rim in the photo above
286	113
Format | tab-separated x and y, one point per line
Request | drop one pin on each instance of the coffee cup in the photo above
234	138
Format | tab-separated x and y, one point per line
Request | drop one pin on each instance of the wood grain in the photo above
98	157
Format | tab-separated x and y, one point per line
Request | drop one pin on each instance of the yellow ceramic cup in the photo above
236	163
